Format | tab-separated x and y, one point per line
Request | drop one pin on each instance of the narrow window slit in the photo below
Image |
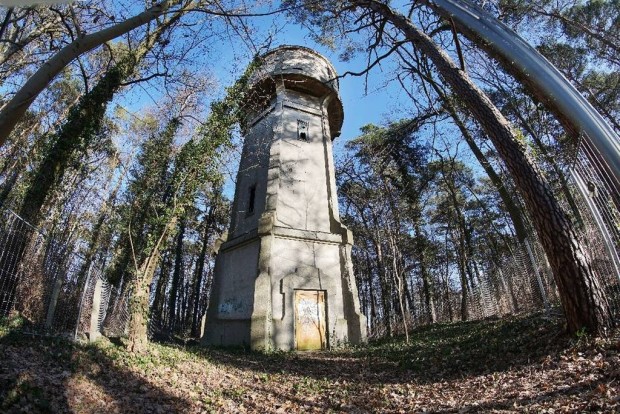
302	130
252	199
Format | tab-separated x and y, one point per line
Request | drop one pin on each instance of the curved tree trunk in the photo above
83	123
75	136
583	299
513	209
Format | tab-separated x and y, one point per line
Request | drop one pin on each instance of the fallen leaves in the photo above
552	375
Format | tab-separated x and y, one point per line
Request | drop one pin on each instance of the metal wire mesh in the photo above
13	234
522	281
116	321
50	287
37	281
599	205
92	297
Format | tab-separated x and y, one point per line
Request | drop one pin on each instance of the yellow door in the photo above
310	319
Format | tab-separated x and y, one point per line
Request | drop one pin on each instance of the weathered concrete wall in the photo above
302	193
232	296
253	169
285	232
317	267
235	295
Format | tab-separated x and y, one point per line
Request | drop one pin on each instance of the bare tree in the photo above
584	301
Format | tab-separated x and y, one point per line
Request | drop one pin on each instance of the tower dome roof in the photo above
304	70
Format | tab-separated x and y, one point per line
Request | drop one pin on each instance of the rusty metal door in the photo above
310	319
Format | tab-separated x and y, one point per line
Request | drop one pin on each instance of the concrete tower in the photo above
283	276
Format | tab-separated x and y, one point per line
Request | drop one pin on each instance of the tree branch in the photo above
373	64
458	45
15	109
154	75
5	22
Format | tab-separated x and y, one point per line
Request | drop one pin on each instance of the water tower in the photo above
283	275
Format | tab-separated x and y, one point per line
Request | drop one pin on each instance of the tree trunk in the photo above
98	230
75	135
552	162
86	115
82	125
382	273
398	276
462	265
139	303
513	210
371	291
177	277
427	287
199	272
583	299
8	184
459	237
139	310
15	109
157	311
447	276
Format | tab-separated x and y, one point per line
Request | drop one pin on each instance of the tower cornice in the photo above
300	69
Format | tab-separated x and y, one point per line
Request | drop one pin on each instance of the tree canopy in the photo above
467	192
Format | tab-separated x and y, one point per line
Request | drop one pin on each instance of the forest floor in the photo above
516	364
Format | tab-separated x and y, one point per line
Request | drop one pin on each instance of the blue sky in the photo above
363	103
365	99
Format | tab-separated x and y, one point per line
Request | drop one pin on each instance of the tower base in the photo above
302	295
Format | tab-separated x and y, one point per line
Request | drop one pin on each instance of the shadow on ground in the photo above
491	365
435	353
44	375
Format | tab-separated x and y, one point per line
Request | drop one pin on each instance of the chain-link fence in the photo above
55	290
599	206
51	288
522	281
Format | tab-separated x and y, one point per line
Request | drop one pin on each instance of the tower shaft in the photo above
284	278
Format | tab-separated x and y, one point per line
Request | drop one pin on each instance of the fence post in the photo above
94	313
203	322
49	320
84	289
539	280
